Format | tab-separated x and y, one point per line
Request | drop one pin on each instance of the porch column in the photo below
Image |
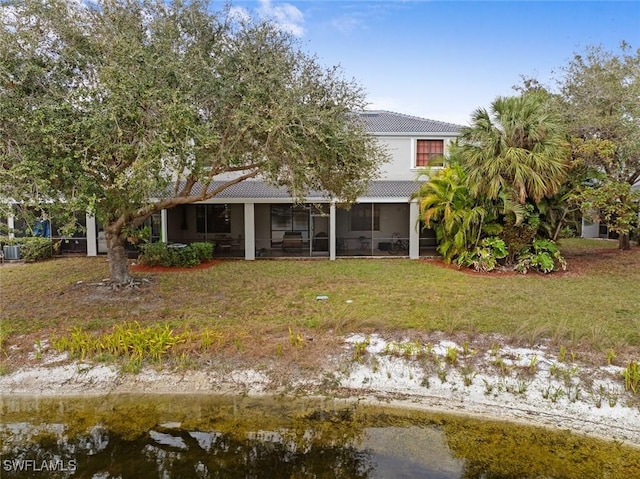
332	231
414	232
249	231
92	239
11	225
164	232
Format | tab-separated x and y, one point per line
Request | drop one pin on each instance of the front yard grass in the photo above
594	305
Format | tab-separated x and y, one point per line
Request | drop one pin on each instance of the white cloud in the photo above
347	23
239	13
285	15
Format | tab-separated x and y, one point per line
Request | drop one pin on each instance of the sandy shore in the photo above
590	401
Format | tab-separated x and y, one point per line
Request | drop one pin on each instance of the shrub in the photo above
35	249
185	257
162	254
31	248
543	256
204	251
485	256
155	254
518	235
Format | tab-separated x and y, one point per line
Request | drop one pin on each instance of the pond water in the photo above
202	436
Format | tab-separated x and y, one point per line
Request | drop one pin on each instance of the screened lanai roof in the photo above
255	189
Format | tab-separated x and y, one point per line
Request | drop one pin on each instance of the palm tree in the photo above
447	205
519	147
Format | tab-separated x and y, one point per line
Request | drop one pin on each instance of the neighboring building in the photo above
253	219
595	229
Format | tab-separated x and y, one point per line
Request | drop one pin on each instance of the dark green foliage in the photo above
543	256
599	95
155	254
203	251
162	254
518	234
31	249
485	256
125	108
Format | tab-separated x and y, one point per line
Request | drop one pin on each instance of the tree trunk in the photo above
624	242
118	265
556	233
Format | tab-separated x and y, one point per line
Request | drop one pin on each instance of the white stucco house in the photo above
253	219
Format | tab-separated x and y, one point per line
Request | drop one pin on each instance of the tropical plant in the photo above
519	146
447	205
519	230
543	256
485	256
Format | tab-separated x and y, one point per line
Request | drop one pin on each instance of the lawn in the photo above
594	304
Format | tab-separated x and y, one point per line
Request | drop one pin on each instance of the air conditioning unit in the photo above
11	252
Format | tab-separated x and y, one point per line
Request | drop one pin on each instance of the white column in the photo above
332	231
249	231
414	230
92	240
164	232
11	225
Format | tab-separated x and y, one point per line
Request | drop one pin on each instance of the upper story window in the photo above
427	151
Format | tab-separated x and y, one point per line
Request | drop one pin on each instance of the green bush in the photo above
485	256
543	256
162	254
31	248
204	251
185	257
35	249
155	254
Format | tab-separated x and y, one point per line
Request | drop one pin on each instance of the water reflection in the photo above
145	436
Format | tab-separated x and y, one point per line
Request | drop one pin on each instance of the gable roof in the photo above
382	121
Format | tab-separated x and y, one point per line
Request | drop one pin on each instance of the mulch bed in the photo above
578	263
141	268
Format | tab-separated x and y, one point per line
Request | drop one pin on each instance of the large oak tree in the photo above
127	107
600	98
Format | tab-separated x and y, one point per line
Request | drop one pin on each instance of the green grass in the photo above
596	305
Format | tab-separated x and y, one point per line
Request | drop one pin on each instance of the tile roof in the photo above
255	189
381	121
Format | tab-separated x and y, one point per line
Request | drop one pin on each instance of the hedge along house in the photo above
254	219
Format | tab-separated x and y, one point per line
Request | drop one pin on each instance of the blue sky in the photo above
443	59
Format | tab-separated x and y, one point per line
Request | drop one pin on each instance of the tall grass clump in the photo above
631	376
128	340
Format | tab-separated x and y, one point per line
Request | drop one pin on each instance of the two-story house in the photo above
253	219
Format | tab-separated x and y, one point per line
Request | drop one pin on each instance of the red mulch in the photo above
577	263
141	268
